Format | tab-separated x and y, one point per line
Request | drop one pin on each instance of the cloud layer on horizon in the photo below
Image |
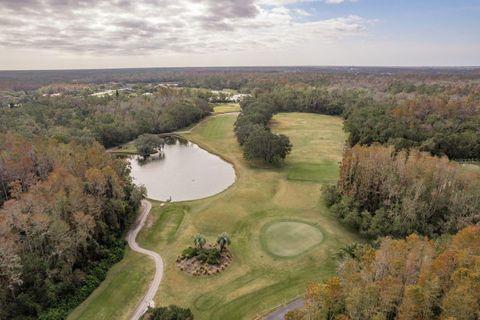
143	27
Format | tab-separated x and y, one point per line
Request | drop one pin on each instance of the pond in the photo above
183	172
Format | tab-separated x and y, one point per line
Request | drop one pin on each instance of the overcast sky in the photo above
62	34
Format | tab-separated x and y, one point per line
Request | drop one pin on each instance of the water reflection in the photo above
183	171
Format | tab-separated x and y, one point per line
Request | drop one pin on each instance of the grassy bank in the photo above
117	296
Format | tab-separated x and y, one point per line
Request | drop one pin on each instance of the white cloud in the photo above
301	12
122	28
287	2
339	1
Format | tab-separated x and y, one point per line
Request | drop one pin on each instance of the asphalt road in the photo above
147	300
279	313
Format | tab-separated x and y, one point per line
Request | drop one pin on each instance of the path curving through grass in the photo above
147	300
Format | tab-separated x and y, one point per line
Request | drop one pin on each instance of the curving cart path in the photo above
280	312
147	300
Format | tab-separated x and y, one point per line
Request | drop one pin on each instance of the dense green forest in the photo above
258	142
109	120
441	125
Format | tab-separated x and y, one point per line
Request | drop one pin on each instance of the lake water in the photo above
184	172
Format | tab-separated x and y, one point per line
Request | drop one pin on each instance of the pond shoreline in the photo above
185	172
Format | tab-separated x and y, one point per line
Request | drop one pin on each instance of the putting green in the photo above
289	238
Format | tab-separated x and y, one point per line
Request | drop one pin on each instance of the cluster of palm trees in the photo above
223	240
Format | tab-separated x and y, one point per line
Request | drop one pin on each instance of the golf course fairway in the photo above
282	234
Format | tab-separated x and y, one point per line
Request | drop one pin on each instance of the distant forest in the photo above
232	77
110	120
441	124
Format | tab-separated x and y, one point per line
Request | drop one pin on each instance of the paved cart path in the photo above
147	300
279	313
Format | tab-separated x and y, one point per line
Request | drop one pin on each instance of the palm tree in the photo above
223	240
199	240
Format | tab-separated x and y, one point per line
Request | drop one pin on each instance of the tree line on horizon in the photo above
438	124
391	80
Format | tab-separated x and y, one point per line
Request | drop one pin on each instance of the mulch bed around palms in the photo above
196	267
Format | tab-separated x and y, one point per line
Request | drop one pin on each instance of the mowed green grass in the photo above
318	142
113	299
127	149
226	107
257	280
167	222
218	128
288	239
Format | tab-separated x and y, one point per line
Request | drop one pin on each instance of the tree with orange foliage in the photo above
414	278
384	192
59	220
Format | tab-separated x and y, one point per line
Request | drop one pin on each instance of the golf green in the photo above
289	238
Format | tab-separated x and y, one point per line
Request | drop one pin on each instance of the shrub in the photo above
214	258
190	252
330	195
171	312
210	256
202	256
